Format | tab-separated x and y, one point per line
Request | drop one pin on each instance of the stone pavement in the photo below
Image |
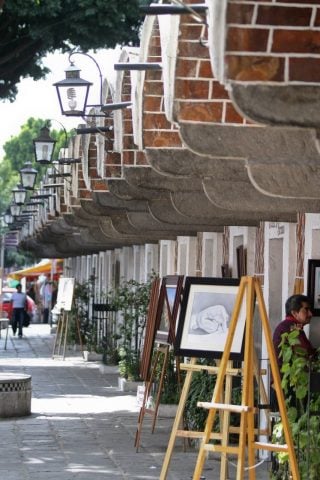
82	427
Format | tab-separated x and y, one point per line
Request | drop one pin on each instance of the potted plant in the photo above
304	416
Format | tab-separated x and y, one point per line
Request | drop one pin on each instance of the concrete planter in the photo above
15	395
167	411
108	369
92	356
128	385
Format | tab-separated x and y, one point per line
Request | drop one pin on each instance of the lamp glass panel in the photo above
73	99
8	218
19	196
28	179
14	209
43	151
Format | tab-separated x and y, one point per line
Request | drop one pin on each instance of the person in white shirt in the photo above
19	306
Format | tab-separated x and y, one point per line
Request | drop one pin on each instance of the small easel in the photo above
162	350
191	368
60	341
251	287
64	303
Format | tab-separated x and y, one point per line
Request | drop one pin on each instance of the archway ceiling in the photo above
287	105
276	158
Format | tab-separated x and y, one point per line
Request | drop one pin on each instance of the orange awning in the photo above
45	267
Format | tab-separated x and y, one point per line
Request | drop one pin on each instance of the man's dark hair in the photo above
295	303
18	286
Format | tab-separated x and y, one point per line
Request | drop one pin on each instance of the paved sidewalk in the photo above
82	426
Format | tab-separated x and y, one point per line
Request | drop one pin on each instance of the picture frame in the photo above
204	319
313	286
65	294
168	308
150	332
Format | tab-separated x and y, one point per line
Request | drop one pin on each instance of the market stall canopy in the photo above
45	267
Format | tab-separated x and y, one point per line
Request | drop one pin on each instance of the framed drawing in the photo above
313	288
65	294
204	319
168	308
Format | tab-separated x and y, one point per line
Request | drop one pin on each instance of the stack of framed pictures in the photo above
161	322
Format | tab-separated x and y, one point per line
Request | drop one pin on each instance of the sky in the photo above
38	99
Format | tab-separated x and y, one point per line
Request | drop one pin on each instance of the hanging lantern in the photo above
14	209
19	195
44	146
28	176
73	92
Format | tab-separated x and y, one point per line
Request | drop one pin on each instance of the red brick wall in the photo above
273	41
157	131
198	94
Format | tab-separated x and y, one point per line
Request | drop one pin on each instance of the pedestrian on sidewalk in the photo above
19	307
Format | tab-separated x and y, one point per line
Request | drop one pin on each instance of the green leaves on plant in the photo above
304	418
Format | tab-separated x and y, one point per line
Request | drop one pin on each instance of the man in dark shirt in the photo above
298	314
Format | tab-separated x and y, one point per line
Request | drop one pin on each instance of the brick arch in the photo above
139	85
199	95
124	150
158	131
269	56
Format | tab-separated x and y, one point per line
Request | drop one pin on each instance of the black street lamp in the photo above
14	209
28	176
19	195
8	218
73	91
44	146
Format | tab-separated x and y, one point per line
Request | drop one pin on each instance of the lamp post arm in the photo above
75	52
63	128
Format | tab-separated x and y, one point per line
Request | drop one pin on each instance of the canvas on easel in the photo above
65	294
63	306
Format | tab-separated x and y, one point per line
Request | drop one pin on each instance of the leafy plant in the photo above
170	393
201	388
79	315
130	300
303	412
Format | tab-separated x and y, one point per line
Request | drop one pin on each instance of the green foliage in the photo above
30	29
303	416
79	312
131	300
19	259
18	150
170	393
201	389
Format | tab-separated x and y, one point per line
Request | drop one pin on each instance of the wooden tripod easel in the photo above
162	350
60	341
250	287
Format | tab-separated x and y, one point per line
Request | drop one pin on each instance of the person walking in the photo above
19	306
47	300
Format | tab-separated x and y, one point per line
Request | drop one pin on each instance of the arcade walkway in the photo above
82	427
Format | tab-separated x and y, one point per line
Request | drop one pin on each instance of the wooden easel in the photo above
60	340
251	287
190	369
162	350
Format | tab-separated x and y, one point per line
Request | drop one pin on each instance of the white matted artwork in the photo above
205	315
65	293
